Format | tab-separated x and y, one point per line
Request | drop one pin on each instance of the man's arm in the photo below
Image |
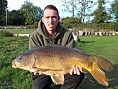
34	40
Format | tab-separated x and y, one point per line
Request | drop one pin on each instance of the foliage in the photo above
76	25
28	14
114	9
31	13
78	8
114	26
106	27
70	22
100	15
13	18
3	6
5	34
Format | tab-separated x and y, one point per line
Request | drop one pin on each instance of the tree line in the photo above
103	17
28	14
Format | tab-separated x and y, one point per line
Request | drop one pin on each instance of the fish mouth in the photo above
13	64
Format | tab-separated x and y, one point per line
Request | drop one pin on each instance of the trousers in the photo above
44	82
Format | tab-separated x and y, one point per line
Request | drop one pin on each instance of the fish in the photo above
56	61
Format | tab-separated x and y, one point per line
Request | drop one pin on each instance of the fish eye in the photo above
20	57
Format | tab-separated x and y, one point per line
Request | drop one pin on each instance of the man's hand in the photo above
37	73
76	70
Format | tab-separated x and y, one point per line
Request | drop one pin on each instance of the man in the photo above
50	31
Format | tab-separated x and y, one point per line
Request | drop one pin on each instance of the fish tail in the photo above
103	63
98	69
99	75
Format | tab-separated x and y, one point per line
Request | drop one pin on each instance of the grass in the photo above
13	78
20	31
105	46
10	47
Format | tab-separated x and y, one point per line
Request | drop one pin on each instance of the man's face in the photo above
50	20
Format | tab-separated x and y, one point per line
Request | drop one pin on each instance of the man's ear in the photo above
59	18
42	19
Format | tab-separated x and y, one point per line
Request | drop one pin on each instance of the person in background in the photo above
50	32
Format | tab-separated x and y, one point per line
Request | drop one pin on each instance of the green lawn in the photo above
20	31
10	47
106	46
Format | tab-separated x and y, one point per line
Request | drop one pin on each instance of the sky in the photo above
16	4
13	4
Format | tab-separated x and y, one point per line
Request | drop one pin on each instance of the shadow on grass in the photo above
90	83
87	41
113	77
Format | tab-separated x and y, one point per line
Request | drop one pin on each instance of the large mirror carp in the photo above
56	61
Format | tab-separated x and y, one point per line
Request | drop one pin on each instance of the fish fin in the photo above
35	69
103	63
100	65
57	78
99	75
42	70
45	71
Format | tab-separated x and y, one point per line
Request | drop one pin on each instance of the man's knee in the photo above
41	82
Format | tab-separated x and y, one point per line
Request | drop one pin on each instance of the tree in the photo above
32	14
100	15
3	6
78	8
15	18
114	10
70	6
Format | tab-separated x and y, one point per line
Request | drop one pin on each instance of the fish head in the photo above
24	61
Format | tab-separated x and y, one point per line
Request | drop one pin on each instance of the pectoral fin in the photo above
58	78
34	69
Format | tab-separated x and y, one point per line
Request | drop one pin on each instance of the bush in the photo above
70	22
6	34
